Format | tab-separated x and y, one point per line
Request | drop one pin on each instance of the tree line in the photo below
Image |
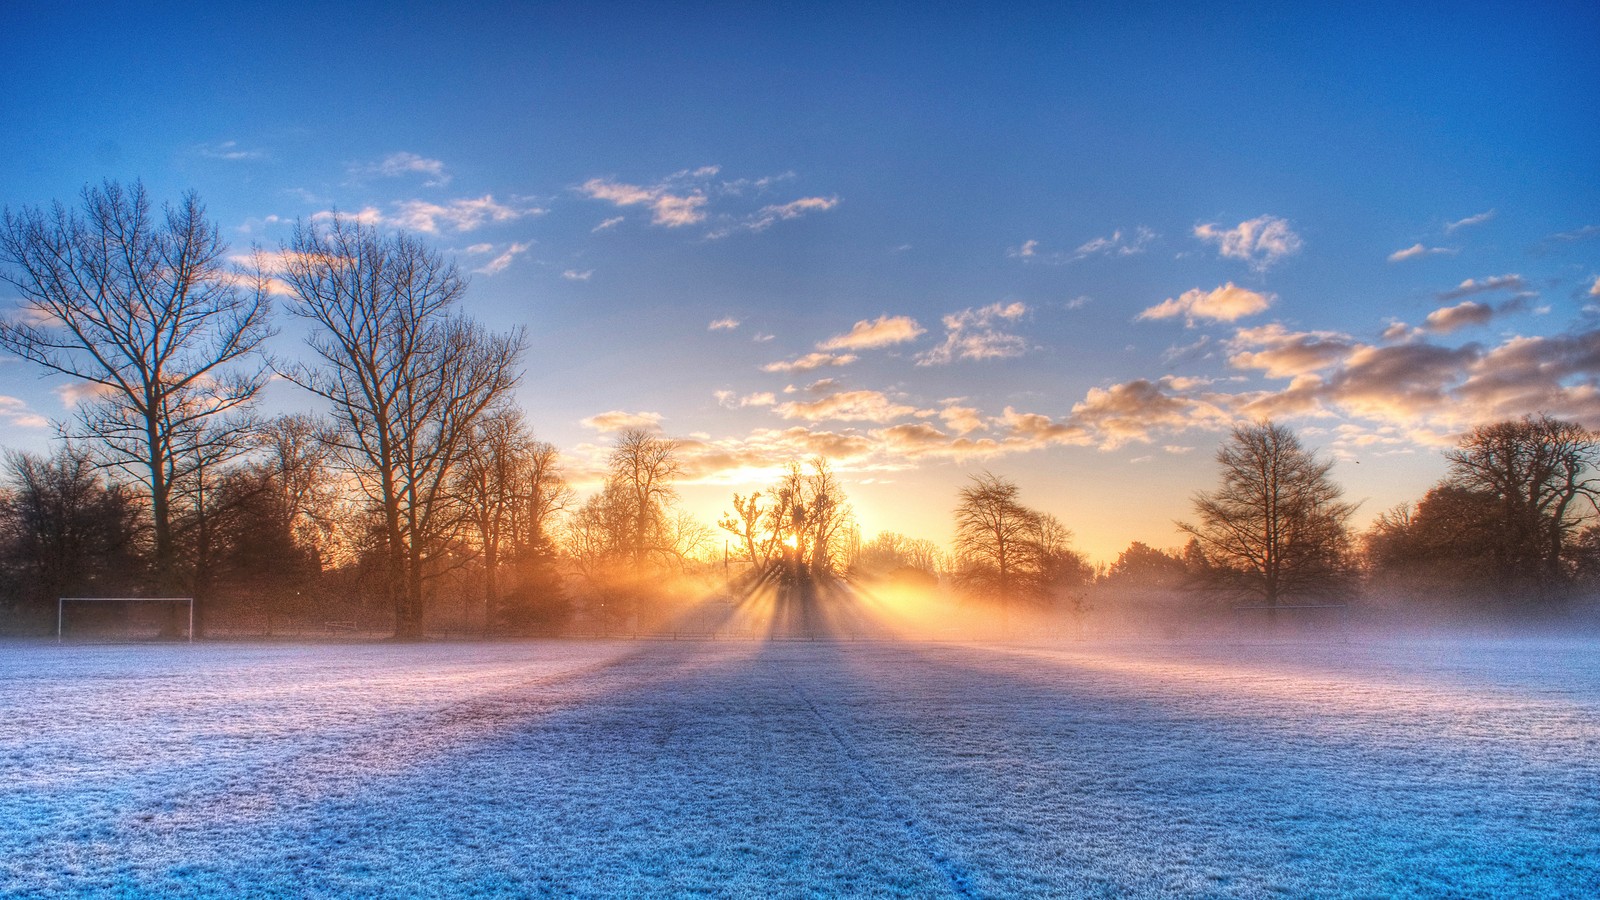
421	493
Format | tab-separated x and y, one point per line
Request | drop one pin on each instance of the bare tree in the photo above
63	532
1503	524
748	522
828	517
890	553
597	535
997	540
143	311
1536	473
1060	567
805	526
643	467
1276	527
511	486
296	462
407	381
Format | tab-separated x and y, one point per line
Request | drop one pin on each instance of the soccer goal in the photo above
124	619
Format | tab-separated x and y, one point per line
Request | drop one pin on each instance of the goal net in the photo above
124	619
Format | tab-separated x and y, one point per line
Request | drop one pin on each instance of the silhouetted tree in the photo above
1503	522
750	522
1446	543
407	382
296	461
1142	567
643	468
511	487
805	528
626	539
143	312
64	532
1276	527
891	554
1003	549
1536	472
813	515
1062	570
256	552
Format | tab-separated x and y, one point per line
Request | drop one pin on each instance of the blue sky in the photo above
1079	242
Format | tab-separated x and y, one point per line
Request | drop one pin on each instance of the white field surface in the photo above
1388	768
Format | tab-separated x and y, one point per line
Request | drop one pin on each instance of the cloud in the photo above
1496	283
1261	242
75	393
1107	418
673	211
1450	318
1389	397
577	274
732	400
1185	353
1402	382
617	420
764	217
1594	289
810	362
794	209
1478	219
608	223
503	261
686	197
848	406
761	337
397	164
1429	392
976	334
466	214
367	215
882	332
1577	234
269	263
727	323
759	185
1138	410
1118	244
759	457
1416	250
1224	304
15	413
962	419
229	151
668	209
1559	374
1281	353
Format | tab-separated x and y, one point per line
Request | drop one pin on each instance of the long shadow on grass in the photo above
1104	773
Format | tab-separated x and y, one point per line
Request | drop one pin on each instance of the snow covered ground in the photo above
1392	768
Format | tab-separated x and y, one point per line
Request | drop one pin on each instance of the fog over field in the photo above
799	450
1229	767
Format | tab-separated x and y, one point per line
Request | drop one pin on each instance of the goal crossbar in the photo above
61	608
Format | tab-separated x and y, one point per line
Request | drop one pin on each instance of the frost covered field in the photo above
1462	768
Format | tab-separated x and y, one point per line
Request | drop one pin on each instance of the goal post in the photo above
126	622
